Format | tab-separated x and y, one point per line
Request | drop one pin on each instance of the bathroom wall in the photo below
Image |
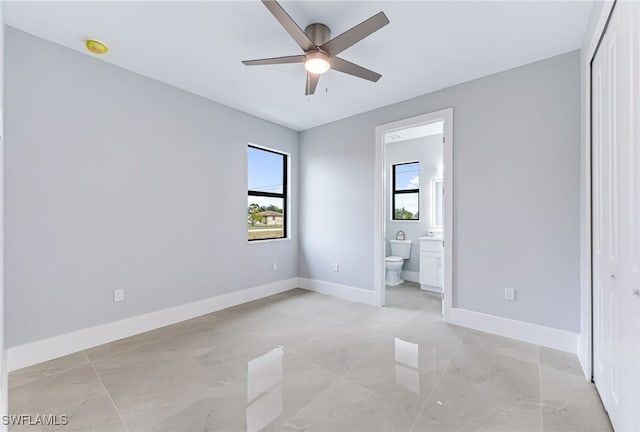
516	162
114	180
427	151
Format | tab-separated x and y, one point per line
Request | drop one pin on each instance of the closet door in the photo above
616	200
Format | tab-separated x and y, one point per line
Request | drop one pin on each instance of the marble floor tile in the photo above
409	296
143	378
560	360
386	316
404	371
569	402
503	346
48	368
205	323
274	386
430	329
482	390
121	345
76	393
301	327
347	406
340	350
291	303
304	361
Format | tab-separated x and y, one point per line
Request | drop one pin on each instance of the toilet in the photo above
400	251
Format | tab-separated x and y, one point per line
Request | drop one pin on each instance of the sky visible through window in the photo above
407	177
264	174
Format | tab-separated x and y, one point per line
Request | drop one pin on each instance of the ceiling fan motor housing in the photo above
318	33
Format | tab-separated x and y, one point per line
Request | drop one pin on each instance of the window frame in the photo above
284	195
395	191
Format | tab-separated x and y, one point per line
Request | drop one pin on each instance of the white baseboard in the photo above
410	276
47	349
32	353
584	356
533	333
337	290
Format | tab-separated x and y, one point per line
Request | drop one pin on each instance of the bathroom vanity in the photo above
432	264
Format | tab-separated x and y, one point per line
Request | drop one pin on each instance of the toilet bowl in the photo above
393	264
400	251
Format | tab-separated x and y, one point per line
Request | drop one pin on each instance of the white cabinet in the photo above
431	264
431	269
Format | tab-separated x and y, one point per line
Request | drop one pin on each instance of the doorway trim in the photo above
589	48
379	225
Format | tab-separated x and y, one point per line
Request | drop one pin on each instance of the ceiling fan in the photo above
320	51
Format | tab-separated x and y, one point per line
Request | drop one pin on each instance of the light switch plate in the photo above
509	294
118	295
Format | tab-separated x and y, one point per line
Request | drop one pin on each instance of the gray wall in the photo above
516	205
114	180
427	151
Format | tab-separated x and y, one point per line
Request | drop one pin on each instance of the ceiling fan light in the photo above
317	63
96	46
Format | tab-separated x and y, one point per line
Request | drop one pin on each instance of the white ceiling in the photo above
422	131
198	46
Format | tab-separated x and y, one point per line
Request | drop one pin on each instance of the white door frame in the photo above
585	341
379	225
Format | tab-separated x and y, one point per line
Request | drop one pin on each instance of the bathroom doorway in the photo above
414	211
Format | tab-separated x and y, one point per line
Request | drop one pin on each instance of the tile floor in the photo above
303	361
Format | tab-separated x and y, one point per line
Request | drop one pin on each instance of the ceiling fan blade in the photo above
354	35
341	65
275	60
312	83
289	25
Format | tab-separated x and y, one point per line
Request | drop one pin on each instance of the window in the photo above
267	194
406	191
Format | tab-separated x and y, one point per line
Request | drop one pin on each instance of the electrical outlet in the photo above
336	267
118	295
275	266
510	294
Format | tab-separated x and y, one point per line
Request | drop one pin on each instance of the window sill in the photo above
251	242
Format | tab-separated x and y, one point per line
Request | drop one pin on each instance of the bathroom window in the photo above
267	194
406	191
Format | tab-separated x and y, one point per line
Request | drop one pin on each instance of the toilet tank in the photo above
401	248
